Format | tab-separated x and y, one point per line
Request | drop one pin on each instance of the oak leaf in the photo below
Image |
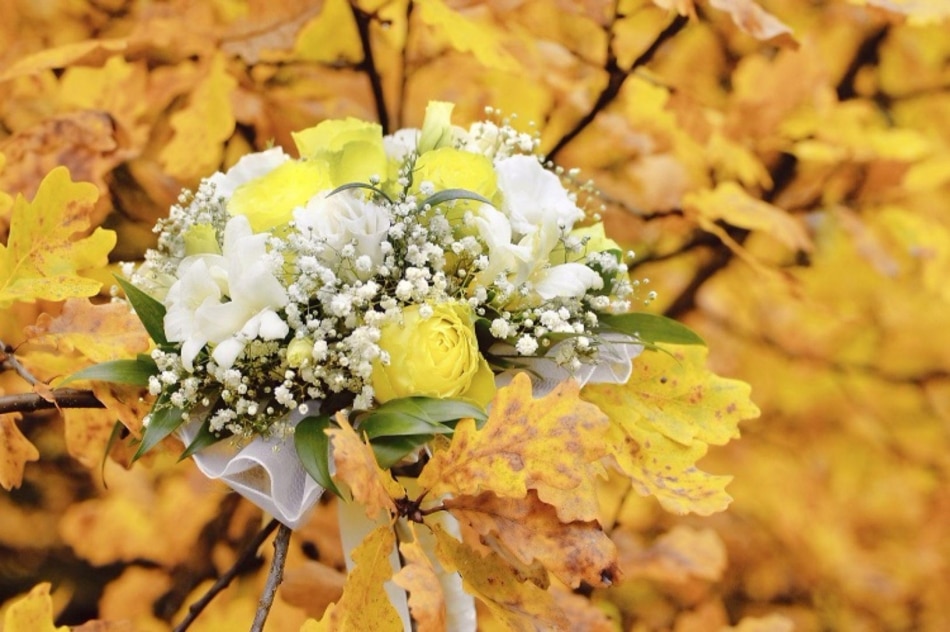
32	613
519	604
364	604
664	418
552	445
43	258
372	487
418	577
86	53
15	451
530	530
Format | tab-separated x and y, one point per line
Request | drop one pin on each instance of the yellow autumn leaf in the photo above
676	556
418	578
331	36
201	128
97	332
364	604
32	613
478	38
731	203
552	445
530	530
373	488
45	258
663	420
87	52
15	451
520	604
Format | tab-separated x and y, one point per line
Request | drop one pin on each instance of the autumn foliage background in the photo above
783	177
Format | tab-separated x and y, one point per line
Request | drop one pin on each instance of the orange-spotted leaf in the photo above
47	257
15	451
530	530
663	420
519	604
418	577
373	488
32	613
552	445
364	604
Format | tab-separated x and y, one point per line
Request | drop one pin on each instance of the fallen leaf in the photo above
32	613
86	53
757	22
312	586
201	128
681	553
99	333
552	445
768	623
482	39
530	530
15	452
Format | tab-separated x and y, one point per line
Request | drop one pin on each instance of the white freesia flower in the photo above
246	169
342	219
566	279
535	201
401	143
197	312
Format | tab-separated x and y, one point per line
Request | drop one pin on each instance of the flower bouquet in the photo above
392	285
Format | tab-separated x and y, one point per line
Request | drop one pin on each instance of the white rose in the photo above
345	218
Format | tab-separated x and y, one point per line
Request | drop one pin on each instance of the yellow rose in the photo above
450	168
433	357
270	200
351	149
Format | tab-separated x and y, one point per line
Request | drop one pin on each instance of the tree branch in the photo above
274	577
616	76
227	577
363	21
62	398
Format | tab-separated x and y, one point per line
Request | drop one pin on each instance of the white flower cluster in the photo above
278	276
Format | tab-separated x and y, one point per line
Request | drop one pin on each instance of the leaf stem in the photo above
227	577
274	577
8	360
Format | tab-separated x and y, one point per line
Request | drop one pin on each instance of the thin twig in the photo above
8	359
274	577
227	577
616	76
62	398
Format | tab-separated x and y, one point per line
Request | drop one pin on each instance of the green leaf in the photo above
313	449
448	195
114	436
651	328
149	311
417	415
165	419
391	450
135	372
